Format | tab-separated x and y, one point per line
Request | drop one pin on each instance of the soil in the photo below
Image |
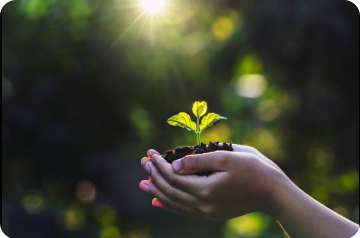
180	152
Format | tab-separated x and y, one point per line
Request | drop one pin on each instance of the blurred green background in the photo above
87	87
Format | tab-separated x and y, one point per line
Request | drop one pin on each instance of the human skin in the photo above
242	181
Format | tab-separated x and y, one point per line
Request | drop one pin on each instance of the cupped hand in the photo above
242	181
252	150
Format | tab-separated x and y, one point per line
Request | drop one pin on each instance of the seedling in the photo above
199	109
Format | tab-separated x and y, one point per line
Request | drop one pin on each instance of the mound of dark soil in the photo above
181	152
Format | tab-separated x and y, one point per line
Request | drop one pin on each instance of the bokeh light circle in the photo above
85	191
251	85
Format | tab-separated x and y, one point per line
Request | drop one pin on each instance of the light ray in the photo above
176	72
126	30
155	15
142	26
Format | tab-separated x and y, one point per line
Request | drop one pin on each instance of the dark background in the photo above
85	93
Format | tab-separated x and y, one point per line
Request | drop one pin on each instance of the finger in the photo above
144	161
187	183
251	150
245	148
152	152
170	191
173	206
191	164
157	203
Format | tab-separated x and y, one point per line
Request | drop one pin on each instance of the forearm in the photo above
301	216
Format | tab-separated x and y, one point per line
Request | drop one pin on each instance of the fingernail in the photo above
157	203
177	165
147	167
145	187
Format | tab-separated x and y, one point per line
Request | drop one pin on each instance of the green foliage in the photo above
36	9
209	120
183	120
199	109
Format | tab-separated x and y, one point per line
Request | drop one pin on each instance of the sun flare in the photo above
153	6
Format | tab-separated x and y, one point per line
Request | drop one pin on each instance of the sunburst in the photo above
153	6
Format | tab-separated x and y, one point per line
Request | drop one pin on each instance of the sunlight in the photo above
152	15
153	6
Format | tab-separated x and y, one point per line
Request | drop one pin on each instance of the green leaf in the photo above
182	119
199	108
209	120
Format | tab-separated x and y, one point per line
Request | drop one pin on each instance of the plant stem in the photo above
198	131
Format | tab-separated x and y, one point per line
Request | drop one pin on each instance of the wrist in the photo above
276	196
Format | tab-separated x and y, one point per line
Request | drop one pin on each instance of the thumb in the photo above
209	162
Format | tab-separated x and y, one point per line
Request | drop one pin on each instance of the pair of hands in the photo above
242	181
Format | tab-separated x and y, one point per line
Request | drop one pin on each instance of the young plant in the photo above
199	109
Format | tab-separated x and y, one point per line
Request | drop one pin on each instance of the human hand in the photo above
241	182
